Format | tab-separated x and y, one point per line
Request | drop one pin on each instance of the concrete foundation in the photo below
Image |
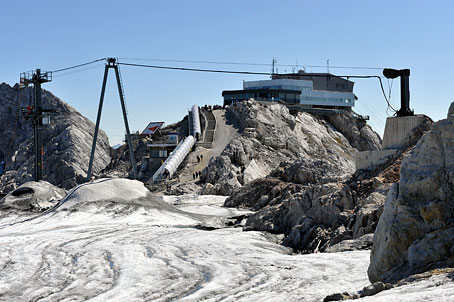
370	159
397	129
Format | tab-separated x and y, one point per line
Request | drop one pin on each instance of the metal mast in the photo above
112	63
404	75
35	113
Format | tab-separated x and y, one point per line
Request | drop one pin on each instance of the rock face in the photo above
295	171
313	205
67	142
415	231
451	109
312	197
269	136
358	133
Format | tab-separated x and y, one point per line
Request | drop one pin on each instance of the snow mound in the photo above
106	189
33	195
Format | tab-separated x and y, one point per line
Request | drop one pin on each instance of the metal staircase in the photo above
210	128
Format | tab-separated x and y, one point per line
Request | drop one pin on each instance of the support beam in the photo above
405	94
98	120
37	125
125	119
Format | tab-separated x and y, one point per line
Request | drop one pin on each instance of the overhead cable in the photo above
78	70
232	71
194	69
246	63
261	73
79	65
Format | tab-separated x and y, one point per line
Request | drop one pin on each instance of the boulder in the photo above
414	233
361	243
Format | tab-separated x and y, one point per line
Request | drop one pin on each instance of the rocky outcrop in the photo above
314	205
67	142
356	130
451	109
415	231
296	172
270	135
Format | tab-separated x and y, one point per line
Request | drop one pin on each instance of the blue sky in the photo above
56	34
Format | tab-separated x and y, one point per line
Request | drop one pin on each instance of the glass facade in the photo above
290	91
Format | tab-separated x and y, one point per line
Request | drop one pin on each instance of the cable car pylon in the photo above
112	63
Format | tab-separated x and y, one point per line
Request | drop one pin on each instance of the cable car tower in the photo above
36	114
112	63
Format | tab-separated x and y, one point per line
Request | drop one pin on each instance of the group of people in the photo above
196	174
199	158
213	107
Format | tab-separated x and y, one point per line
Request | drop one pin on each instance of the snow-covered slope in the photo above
140	247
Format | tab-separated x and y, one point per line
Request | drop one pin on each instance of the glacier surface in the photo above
113	241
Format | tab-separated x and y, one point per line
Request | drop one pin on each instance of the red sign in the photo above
152	128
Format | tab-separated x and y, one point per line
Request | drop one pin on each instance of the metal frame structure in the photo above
35	113
404	75
112	63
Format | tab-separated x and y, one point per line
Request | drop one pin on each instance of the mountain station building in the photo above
312	90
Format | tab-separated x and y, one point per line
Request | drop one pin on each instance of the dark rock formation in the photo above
67	142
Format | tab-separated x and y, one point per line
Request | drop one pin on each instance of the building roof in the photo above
321	81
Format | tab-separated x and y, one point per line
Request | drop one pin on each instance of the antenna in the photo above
327	66
272	69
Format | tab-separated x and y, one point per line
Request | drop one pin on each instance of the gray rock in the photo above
374	289
359	134
279	137
368	215
414	233
361	243
314	215
33	196
451	109
339	297
67	142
